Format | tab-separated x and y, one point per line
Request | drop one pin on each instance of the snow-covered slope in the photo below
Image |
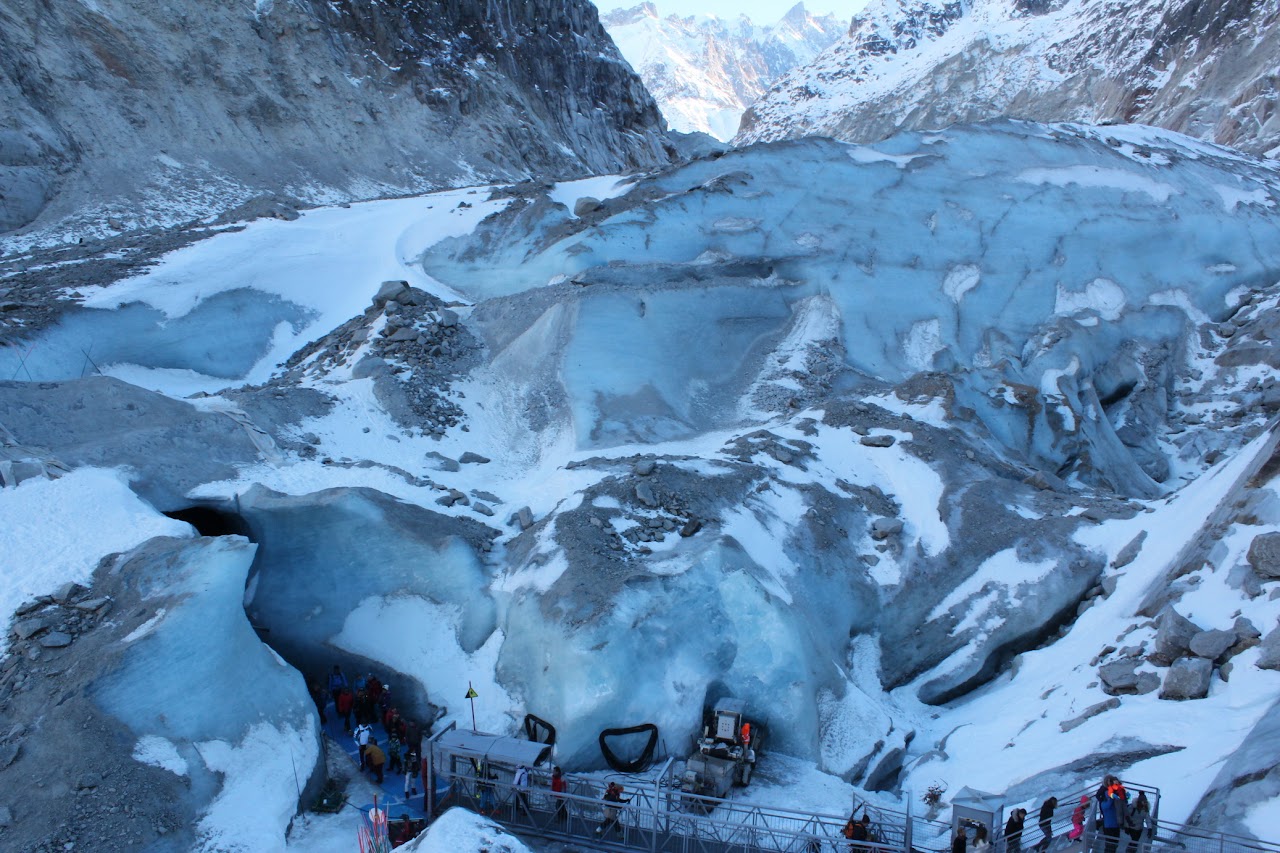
953	455
120	114
703	70
1207	69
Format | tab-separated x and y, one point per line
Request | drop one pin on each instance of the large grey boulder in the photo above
1187	678
1119	677
1212	645
1173	637
1264	555
1269	654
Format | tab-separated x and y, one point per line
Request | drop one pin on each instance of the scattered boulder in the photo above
644	467
524	517
1187	678
56	640
1269	658
644	493
1089	713
370	367
448	318
1212	645
1264	555
483	509
877	440
390	290
1119	677
469	458
404	333
1148	682
1129	552
690	527
883	528
1173	637
586	205
28	628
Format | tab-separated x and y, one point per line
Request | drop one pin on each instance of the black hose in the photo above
646	755
539	730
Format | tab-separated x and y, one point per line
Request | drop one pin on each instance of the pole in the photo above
471	694
906	833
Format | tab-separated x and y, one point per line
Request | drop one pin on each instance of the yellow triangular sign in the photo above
471	693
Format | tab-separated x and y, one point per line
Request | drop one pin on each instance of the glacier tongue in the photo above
866	436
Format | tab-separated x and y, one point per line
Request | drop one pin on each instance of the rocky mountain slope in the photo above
955	474
704	71
1207	69
123	113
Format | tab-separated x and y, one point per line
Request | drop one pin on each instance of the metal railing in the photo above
656	816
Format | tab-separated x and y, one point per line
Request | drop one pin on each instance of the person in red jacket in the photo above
343	704
558	788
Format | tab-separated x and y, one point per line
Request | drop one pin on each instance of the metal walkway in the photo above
659	818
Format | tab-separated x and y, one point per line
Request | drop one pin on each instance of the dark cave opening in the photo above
209	521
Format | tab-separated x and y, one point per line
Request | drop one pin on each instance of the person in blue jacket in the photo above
1113	801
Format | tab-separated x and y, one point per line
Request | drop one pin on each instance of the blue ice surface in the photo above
224	336
1039	212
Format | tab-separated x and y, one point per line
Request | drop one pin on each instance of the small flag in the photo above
471	693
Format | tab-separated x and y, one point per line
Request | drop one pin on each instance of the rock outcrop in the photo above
131	113
1207	69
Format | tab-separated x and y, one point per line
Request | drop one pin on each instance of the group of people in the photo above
368	700
1114	813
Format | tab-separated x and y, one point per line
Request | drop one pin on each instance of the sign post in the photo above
472	695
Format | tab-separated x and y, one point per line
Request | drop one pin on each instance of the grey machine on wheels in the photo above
724	756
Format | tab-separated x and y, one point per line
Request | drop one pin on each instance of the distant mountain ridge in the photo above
704	70
1207	68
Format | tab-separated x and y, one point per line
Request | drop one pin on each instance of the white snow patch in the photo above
1098	177
1233	197
960	280
1102	295
55	531
160	752
601	188
260	786
922	343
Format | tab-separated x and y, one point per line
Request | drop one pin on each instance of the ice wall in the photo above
195	677
1016	257
321	556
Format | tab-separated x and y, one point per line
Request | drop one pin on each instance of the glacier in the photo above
865	435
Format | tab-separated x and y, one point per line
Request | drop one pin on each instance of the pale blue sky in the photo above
759	11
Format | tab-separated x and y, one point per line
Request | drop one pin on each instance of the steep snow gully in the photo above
954	456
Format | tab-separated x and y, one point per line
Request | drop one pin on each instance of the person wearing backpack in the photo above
1137	821
1013	831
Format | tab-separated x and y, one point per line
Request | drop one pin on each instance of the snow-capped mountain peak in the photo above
704	70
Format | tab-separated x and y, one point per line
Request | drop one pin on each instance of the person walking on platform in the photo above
1113	802
1046	825
337	681
376	758
1137	822
363	734
521	784
558	789
343	705
612	814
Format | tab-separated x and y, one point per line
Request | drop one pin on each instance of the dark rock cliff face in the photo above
146	113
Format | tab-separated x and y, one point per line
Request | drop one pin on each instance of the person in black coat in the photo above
1013	831
1046	824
